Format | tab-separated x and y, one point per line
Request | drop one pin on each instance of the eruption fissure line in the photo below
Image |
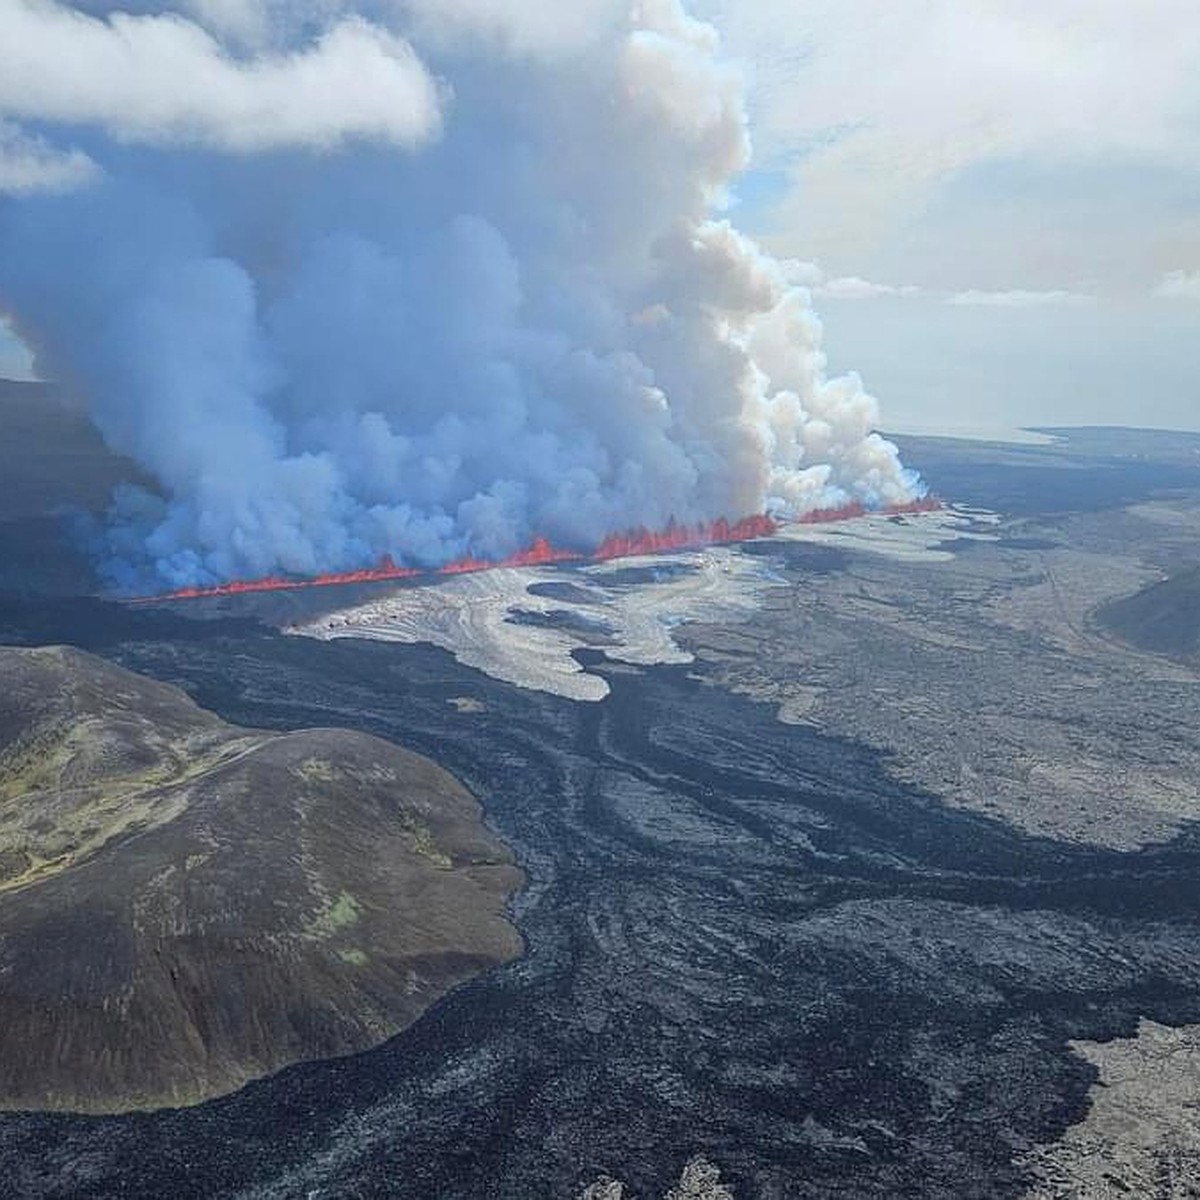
542	552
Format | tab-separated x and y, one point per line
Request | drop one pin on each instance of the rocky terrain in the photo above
779	945
744	939
987	678
186	905
700	1180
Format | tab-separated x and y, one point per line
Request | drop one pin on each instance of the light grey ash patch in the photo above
1142	1135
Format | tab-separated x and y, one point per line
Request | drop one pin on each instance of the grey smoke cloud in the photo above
502	303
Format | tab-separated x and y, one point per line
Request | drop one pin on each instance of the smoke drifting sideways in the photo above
414	283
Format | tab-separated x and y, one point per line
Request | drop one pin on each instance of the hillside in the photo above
186	905
1163	618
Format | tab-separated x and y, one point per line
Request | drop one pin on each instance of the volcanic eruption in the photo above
414	288
541	552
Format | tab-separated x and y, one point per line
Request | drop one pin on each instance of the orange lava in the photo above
541	552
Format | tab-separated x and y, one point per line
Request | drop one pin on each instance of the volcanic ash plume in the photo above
420	283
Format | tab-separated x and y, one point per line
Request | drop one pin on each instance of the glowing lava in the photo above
542	552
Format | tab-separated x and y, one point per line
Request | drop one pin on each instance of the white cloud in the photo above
532	27
245	21
163	79
874	108
1017	298
801	273
850	287
810	275
1179	285
30	164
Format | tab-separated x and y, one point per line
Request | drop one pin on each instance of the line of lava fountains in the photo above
541	552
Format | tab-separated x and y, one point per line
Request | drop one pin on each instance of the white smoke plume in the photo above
421	279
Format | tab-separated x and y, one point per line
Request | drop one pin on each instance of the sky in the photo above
995	203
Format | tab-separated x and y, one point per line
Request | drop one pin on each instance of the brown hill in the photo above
186	905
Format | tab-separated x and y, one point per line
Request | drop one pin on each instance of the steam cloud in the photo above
422	280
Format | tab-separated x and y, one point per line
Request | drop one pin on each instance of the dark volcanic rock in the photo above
1163	618
186	905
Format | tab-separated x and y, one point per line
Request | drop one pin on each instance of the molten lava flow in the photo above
542	552
682	537
386	570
